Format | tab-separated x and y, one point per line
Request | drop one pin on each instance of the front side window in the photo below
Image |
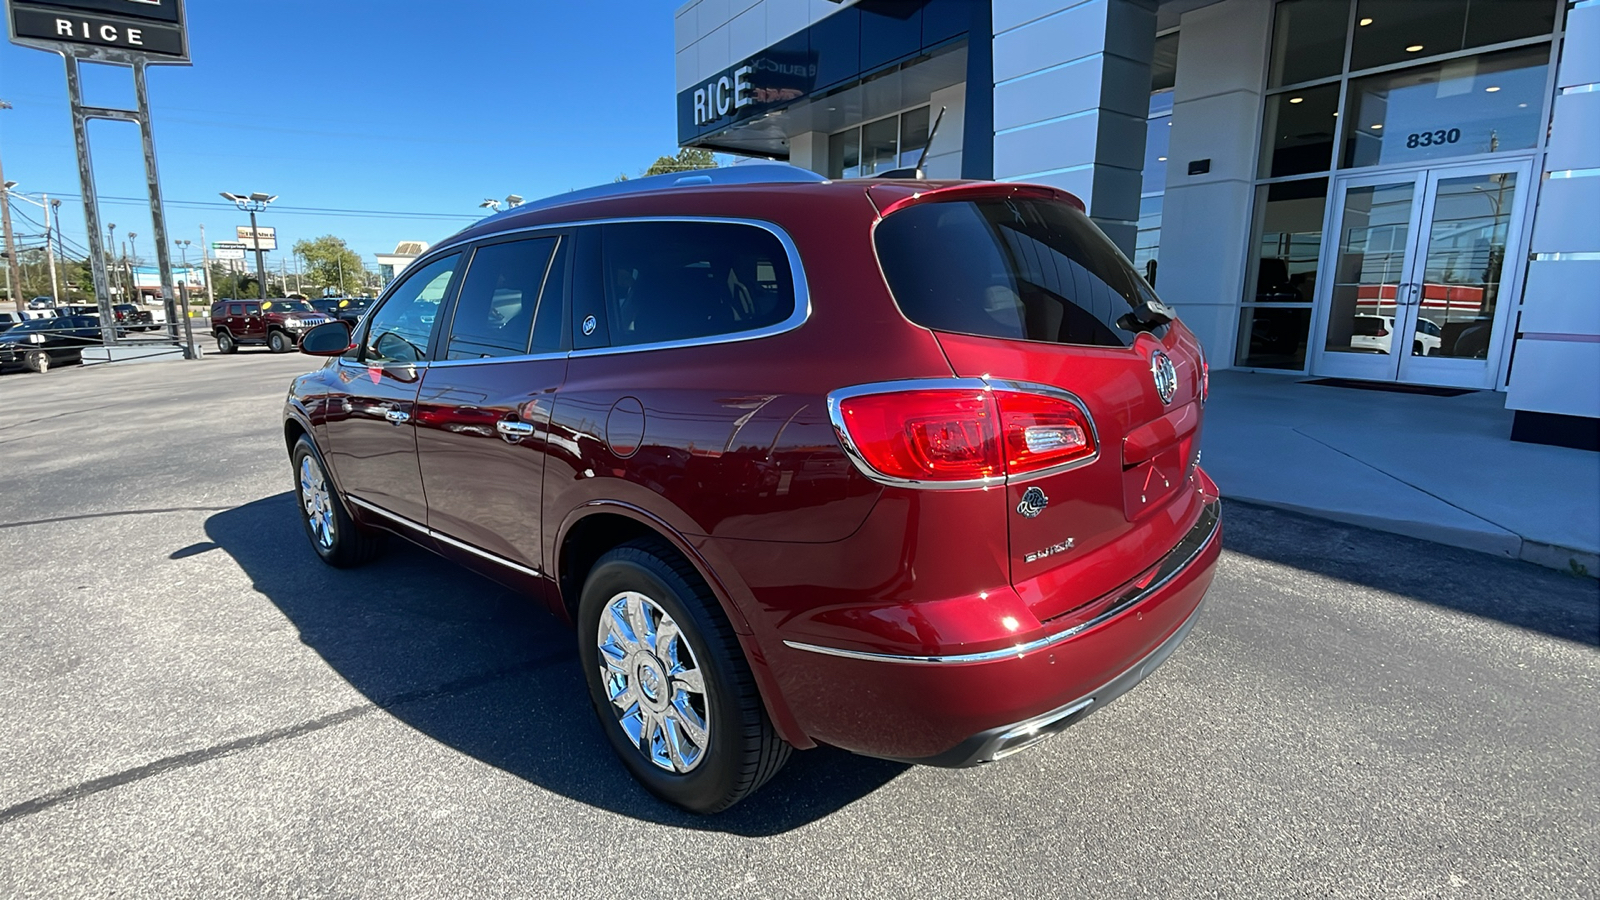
252	309
1035	270
400	329
494	316
672	281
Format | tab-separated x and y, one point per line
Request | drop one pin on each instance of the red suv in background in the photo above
909	468
277	323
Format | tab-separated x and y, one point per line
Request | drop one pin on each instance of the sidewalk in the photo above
1438	468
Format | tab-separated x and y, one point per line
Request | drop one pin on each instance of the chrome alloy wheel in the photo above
318	505
655	685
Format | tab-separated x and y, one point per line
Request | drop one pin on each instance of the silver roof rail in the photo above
742	173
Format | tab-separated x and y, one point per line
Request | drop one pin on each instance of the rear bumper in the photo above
966	708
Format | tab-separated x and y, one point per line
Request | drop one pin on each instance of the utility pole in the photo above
61	253
49	251
205	256
13	272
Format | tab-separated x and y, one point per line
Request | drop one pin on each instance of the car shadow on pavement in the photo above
1515	593
488	672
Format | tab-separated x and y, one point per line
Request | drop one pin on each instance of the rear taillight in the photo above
925	435
1382	332
961	434
1042	431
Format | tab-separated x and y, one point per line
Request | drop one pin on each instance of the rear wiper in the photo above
1147	316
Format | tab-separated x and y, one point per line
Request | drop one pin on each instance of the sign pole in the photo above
158	216
91	202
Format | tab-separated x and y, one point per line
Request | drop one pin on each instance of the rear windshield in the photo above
1033	270
1370	326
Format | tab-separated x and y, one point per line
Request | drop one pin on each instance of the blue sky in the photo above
357	105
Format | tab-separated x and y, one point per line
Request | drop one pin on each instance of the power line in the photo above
293	210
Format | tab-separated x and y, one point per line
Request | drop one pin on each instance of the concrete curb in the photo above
1495	542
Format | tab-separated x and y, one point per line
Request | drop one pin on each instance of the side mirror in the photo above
327	339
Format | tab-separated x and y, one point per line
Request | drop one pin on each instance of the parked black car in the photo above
7	320
38	344
348	309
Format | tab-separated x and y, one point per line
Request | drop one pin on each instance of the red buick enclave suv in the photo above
905	467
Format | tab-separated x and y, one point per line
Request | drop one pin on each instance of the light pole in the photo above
512	201
133	280
13	272
111	254
252	204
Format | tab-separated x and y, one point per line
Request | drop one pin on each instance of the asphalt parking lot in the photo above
191	705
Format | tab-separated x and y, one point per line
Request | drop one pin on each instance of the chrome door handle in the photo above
514	429
397	416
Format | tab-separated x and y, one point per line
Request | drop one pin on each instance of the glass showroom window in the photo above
1158	138
1354	83
878	146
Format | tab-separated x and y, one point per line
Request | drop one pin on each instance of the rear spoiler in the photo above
890	199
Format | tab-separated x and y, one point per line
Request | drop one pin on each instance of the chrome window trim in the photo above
797	274
1208	525
521	357
443	538
858	459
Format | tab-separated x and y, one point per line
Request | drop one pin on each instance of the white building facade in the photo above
1381	190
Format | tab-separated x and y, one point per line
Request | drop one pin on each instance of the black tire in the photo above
1417	349
37	361
279	342
347	544
743	751
226	343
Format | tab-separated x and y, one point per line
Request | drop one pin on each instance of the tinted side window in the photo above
252	309
235	309
547	324
1024	269
400	329
494	316
670	281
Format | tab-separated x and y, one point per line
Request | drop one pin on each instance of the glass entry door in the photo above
1421	265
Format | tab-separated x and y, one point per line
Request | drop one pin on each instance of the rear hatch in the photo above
1021	289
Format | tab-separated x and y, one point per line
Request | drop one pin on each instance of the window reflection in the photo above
1461	274
1308	40
1394	31
1297	137
1276	319
1482	104
880	145
1374	236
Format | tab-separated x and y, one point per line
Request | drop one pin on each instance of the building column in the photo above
810	151
1555	366
1206	217
1071	95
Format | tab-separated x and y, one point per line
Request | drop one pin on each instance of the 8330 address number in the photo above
1432	138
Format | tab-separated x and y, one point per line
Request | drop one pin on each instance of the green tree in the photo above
687	160
330	263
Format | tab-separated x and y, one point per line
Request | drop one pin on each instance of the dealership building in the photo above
1401	191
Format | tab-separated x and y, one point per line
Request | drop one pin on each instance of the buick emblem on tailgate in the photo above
1033	502
1165	375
